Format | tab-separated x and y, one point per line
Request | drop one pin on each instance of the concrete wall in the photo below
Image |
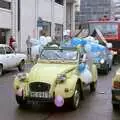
5	18
27	21
58	13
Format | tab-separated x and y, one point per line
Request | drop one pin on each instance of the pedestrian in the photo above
29	45
12	42
43	40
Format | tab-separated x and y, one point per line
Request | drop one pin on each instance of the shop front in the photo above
4	36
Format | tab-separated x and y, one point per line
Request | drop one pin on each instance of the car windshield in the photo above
105	28
59	54
99	54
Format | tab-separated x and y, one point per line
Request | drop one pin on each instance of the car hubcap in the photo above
22	65
0	70
76	98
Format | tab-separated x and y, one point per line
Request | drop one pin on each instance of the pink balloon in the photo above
19	92
59	101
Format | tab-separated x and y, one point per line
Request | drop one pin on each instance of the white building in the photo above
56	15
5	20
116	9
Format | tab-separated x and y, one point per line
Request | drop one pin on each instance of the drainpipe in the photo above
52	19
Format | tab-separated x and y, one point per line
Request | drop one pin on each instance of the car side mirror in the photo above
109	45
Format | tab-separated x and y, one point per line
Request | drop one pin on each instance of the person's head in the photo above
67	34
94	33
42	33
28	36
11	37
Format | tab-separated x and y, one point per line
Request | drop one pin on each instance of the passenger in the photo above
66	39
43	40
11	42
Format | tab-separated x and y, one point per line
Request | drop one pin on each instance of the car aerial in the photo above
103	60
57	77
116	90
9	58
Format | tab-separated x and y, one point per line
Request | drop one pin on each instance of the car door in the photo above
3	59
10	56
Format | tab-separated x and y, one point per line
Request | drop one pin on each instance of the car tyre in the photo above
93	86
75	100
115	106
22	103
106	71
1	70
21	66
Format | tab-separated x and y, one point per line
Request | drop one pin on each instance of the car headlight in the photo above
21	76
61	78
102	61
115	52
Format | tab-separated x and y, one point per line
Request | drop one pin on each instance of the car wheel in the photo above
115	106
93	86
110	68
22	103
1	70
75	100
106	69
21	66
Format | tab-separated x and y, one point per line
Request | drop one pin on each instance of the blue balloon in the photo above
81	67
97	59
97	47
77	41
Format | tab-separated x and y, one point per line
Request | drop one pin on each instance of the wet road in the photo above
96	106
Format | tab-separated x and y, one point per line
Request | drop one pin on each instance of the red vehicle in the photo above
111	32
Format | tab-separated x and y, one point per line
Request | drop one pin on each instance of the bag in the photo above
86	76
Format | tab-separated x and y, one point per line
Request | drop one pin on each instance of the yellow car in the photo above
116	90
59	77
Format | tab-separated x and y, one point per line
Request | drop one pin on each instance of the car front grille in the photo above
39	87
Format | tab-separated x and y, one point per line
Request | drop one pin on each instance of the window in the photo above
58	32
5	4
59	2
2	51
47	27
8	50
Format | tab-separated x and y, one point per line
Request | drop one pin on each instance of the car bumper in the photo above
101	66
115	96
39	100
42	100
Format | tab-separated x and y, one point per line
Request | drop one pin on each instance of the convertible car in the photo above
116	90
58	77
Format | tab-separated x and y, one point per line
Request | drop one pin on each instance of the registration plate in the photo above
40	94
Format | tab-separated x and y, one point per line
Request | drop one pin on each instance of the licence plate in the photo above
40	94
98	65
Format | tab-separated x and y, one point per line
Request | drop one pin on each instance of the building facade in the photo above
29	15
116	8
94	9
5	20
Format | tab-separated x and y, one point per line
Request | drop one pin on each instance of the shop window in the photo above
58	32
47	27
5	4
59	2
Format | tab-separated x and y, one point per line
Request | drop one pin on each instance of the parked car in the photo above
59	77
9	58
103	59
116	90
